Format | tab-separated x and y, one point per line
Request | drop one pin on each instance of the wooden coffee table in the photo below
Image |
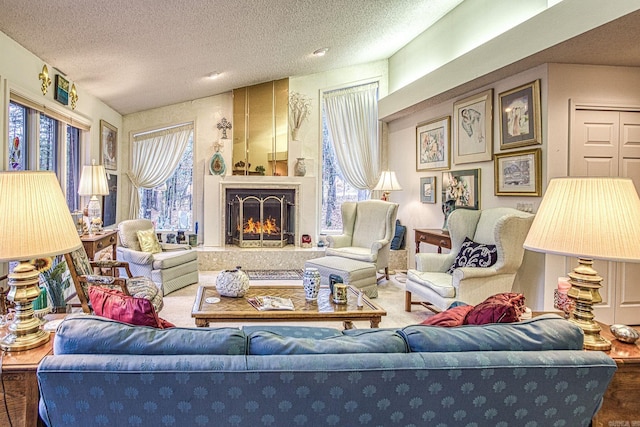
240	311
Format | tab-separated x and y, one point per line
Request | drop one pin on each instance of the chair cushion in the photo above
353	252
149	241
474	254
143	287
168	259
115	305
441	283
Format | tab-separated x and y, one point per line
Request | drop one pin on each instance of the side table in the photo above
620	404
97	242
432	236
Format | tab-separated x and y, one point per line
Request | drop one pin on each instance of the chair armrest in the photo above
465	273
434	262
167	247
113	264
379	244
339	240
135	257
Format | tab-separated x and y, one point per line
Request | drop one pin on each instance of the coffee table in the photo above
239	310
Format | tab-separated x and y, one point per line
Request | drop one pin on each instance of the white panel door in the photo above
607	143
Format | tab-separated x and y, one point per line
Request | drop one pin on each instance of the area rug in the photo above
274	274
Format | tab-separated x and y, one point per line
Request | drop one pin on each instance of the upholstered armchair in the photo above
170	266
83	275
367	229
441	279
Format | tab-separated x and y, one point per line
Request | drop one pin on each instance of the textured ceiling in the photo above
139	54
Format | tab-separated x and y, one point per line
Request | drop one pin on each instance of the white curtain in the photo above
155	157
352	120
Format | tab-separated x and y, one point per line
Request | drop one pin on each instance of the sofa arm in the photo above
339	241
134	257
433	262
168	247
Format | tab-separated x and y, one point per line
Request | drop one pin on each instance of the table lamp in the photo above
35	222
387	183
588	218
93	182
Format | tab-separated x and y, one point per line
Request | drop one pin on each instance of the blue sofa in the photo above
531	373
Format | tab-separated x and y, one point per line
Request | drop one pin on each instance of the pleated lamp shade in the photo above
35	221
387	182
93	181
595	218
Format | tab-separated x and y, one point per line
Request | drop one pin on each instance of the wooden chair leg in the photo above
386	273
407	301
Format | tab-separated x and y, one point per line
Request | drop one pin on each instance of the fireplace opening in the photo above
260	217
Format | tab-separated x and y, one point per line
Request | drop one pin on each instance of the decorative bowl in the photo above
232	283
624	333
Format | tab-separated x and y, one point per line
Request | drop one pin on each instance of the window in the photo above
51	144
169	205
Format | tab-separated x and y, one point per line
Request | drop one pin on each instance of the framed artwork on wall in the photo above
462	187
473	131
428	189
61	93
109	205
433	144
520	116
109	145
518	173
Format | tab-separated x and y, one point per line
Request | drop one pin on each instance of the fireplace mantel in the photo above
214	194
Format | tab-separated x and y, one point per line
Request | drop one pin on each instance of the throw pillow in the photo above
500	308
399	238
115	305
451	317
149	241
474	254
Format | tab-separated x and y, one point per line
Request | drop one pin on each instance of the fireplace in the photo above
260	218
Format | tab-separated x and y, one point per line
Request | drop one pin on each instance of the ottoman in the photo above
359	274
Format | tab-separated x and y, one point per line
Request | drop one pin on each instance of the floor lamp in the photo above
35	222
588	218
93	182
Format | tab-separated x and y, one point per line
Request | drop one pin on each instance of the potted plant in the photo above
55	277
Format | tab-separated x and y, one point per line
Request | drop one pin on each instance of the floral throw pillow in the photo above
149	241
474	254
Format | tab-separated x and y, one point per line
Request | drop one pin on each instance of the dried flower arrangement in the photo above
299	110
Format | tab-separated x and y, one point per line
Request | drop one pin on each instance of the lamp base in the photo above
24	330
585	285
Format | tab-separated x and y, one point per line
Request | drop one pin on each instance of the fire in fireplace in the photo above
260	217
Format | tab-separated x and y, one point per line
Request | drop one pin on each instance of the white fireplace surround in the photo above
215	189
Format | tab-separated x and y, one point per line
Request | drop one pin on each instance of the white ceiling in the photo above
139	54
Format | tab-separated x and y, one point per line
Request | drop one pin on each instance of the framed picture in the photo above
520	116
428	189
61	93
462	187
109	204
433	142
473	132
109	145
518	173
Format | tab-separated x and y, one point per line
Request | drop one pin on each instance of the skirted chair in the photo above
368	227
83	275
486	253
170	266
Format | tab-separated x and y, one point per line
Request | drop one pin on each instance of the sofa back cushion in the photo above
357	341
546	332
89	334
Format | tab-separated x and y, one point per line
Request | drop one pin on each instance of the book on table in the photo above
268	302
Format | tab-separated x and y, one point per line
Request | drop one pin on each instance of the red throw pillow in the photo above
115	305
452	317
500	308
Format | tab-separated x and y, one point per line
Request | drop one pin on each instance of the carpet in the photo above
274	274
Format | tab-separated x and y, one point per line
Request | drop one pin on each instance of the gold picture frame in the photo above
433	144
473	130
109	145
518	173
520	116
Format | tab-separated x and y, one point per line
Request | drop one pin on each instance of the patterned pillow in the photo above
474	254
149	241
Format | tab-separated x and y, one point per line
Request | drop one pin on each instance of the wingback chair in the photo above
506	228
173	268
83	275
367	230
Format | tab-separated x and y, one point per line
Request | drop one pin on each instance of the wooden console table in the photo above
97	242
432	236
620	406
